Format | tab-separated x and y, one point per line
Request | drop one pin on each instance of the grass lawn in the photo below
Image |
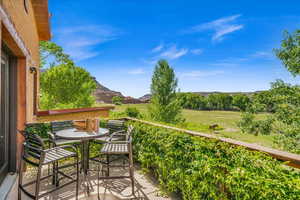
200	120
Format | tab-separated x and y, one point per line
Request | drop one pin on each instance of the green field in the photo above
200	121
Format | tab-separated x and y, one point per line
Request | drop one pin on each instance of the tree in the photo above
289	53
63	85
164	105
51	51
241	101
219	101
190	100
117	100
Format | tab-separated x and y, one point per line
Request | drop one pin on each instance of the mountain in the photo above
146	98
105	95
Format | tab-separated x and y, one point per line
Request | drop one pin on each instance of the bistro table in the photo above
85	137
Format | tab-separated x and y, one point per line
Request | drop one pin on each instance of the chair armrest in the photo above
46	140
117	133
120	133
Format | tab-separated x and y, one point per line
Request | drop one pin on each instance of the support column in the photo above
21	102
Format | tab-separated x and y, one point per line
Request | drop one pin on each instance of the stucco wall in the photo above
25	25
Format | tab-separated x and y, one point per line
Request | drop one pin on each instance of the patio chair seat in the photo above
56	154
111	148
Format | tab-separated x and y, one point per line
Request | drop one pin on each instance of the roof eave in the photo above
42	17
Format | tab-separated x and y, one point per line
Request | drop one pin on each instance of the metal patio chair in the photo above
55	141
121	148
116	127
113	126
58	126
36	154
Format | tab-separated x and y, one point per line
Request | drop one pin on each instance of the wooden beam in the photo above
73	114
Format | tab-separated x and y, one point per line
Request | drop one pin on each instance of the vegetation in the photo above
164	105
117	100
200	168
290	51
63	85
283	100
218	101
241	102
199	120
192	101
132	112
248	124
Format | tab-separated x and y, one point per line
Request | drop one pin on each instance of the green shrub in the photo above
132	112
201	168
117	100
265	126
248	124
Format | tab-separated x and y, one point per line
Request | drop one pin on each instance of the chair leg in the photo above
98	181
53	174
38	180
107	161
56	174
77	177
131	172
20	177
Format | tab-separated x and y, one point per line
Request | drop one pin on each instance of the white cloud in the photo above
221	27
196	51
80	42
174	53
137	71
262	54
200	74
157	48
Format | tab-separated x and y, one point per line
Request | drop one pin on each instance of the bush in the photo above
201	168
117	100
248	124
132	112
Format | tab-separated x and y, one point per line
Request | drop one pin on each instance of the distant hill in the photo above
105	95
146	98
230	93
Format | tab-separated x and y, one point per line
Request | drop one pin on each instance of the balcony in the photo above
146	187
190	165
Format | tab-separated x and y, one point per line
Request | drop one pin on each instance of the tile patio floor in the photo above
146	188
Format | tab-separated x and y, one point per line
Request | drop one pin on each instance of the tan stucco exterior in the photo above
23	24
26	24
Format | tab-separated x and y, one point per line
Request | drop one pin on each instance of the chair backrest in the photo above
62	125
115	125
33	146
129	132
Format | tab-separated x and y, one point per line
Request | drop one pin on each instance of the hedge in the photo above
200	168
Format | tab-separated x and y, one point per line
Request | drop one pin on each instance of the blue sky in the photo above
212	45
